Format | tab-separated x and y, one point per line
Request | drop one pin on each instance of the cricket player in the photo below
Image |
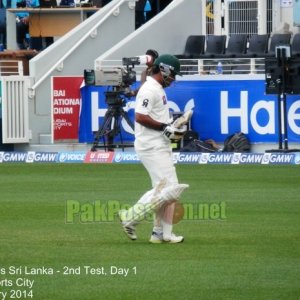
154	131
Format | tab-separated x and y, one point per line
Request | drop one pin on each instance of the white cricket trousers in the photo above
159	165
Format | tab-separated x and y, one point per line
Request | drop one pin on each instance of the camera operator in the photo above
22	22
147	71
153	54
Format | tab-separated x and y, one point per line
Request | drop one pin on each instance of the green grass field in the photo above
252	252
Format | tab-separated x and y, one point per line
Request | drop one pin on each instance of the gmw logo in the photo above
216	158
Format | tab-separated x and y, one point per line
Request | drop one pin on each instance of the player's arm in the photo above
168	130
147	121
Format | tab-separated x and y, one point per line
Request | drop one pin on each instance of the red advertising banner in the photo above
99	157
66	107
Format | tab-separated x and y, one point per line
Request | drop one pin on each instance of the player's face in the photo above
168	80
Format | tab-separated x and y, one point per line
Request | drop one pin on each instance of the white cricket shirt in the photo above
151	100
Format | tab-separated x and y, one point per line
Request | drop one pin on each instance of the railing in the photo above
230	66
15	121
91	32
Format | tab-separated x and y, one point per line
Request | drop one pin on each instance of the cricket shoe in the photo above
156	237
173	239
128	229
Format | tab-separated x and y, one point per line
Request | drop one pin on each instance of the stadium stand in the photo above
194	47
295	46
278	39
258	45
237	45
215	45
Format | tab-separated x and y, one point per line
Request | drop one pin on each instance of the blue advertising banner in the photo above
92	114
221	107
120	157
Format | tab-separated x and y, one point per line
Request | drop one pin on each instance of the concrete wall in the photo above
167	32
113	28
283	19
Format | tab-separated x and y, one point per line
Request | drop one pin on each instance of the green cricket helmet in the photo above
168	64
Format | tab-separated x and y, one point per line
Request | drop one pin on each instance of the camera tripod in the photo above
284	87
111	126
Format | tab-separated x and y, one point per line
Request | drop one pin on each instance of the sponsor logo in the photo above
1	156
216	158
28	157
251	158
192	157
297	159
13	156
42	157
247	158
236	158
64	157
266	158
131	157
278	158
126	157
204	158
99	157
59	123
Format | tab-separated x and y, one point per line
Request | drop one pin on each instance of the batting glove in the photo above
173	133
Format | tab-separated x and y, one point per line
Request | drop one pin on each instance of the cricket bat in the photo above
183	120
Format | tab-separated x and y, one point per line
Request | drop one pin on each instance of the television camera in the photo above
118	80
282	78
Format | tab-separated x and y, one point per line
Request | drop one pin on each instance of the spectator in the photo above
147	10
157	6
163	4
153	11
2	24
67	3
104	2
22	19
140	13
